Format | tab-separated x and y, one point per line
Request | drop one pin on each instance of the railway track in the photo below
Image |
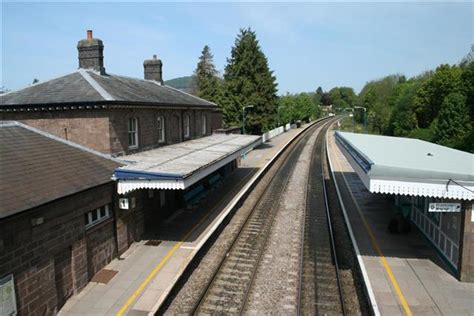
229	287
236	277
320	290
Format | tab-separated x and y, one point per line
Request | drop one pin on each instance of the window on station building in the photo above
161	129
204	125
133	132
187	128
97	216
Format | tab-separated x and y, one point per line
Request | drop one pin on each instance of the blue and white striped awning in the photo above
178	166
406	166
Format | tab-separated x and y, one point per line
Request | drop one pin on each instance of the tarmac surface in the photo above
146	273
404	273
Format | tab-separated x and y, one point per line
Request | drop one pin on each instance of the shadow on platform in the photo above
378	210
193	222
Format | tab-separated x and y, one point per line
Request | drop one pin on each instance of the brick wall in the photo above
89	128
54	260
130	224
467	254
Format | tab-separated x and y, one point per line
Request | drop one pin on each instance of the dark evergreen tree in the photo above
206	81
249	81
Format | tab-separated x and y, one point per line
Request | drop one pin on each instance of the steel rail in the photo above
237	237
307	219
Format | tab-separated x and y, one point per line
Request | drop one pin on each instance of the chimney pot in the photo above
91	53
153	69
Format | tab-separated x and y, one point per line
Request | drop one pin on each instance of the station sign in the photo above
444	207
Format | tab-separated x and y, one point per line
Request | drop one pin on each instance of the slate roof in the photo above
88	86
37	168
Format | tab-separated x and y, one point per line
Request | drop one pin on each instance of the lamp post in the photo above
278	112
243	116
365	115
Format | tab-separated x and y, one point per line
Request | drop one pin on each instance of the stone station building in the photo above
58	220
65	217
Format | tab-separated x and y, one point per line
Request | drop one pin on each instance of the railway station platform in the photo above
404	273
139	281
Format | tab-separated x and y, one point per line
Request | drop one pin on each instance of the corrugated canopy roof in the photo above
37	168
180	165
88	86
410	166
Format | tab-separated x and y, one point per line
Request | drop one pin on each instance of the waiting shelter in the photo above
433	186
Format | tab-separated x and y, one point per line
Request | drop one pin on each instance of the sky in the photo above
307	44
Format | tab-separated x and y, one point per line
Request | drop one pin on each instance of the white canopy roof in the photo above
407	166
180	165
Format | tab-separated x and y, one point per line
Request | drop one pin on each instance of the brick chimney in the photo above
91	53
153	69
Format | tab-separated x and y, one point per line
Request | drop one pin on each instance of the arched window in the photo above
161	129
204	125
187	128
132	132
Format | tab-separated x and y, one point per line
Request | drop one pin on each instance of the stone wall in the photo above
106	130
147	127
89	128
130	224
54	260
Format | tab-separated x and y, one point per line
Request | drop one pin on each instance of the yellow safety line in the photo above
158	267
373	240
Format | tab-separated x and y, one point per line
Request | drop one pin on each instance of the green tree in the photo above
300	106
206	81
248	80
342	97
427	103
452	125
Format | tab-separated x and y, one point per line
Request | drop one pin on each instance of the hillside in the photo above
181	83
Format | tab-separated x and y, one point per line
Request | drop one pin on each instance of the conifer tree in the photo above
206	80
249	81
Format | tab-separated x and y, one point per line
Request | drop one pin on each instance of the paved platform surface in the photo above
406	275
147	273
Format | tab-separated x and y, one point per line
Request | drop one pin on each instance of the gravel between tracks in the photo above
189	288
275	288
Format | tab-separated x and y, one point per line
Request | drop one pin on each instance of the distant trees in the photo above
437	106
248	80
299	106
342	97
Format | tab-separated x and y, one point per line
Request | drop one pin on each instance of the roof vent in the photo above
430	154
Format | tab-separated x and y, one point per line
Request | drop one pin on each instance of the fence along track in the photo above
320	287
228	289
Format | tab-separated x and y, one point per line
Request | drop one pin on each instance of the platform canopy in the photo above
178	166
407	166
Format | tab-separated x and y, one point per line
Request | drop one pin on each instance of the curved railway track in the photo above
229	287
321	287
